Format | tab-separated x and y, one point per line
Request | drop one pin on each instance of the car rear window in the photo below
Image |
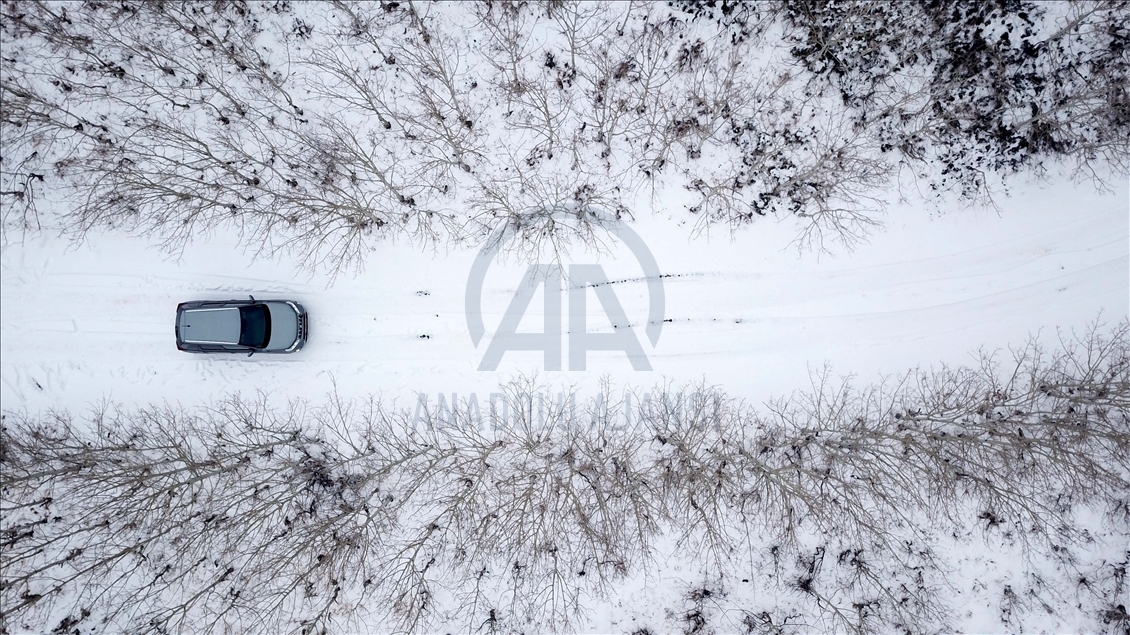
255	326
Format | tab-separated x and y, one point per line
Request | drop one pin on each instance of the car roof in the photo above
209	325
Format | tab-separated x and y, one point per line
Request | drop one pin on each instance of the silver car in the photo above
241	326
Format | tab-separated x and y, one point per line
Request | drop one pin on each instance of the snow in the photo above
747	312
90	323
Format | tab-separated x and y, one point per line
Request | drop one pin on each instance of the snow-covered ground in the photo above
87	324
746	312
90	323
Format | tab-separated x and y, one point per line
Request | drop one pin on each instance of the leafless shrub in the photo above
544	217
960	91
245	516
320	129
179	124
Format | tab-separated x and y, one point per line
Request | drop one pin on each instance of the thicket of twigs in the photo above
325	516
320	129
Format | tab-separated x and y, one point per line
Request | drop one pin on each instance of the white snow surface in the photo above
747	312
93	323
86	324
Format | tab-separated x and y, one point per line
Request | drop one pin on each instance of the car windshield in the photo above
254	326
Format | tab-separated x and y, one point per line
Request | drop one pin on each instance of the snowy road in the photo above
94	322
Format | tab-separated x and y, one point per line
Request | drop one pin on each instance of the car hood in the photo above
212	326
284	326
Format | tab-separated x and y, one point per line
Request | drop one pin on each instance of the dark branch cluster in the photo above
320	130
251	517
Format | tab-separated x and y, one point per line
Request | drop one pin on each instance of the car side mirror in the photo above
249	354
252	297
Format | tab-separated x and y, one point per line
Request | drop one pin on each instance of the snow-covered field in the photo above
268	138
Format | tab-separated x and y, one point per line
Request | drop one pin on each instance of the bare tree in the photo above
244	515
960	91
321	129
